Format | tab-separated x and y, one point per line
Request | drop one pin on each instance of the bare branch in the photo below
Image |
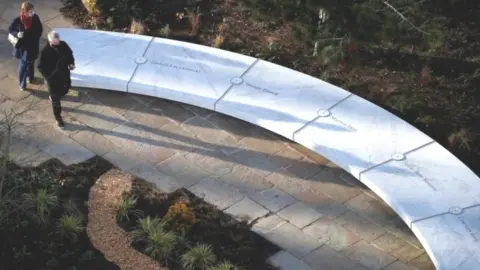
403	17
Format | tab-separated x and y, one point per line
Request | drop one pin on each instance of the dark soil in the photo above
26	245
437	91
230	240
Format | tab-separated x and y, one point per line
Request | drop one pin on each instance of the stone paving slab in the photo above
216	192
372	208
301	189
247	210
359	225
187	173
293	240
267	224
332	186
147	117
258	162
98	117
397	266
247	182
274	199
262	143
388	242
326	257
176	112
153	175
422	262
215	162
368	255
331	233
34	160
236	128
10	88
407	253
299	214
286	261
67	151
90	139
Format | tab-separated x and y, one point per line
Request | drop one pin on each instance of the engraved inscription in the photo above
417	172
469	230
344	124
262	89
176	67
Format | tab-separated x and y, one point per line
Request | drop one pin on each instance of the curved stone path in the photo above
322	217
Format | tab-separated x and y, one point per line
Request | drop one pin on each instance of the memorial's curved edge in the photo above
438	244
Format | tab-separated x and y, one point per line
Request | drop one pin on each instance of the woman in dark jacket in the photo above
28	29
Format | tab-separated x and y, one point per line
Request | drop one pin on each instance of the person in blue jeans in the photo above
28	29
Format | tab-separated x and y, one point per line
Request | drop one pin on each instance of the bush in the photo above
41	204
69	226
199	257
181	217
224	266
165	31
220	37
126	209
145	226
160	243
194	18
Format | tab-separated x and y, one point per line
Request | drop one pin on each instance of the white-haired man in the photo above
55	62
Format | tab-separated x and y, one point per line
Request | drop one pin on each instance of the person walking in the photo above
27	30
55	63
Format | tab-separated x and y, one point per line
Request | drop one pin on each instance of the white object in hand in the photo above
20	35
71	67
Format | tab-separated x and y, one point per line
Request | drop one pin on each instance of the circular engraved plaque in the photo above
398	156
323	113
455	210
236	81
140	60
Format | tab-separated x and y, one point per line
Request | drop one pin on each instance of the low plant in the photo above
160	243
426	120
220	37
126	209
165	31
461	139
145	226
200	256
40	204
69	226
194	18
180	216
137	27
224	266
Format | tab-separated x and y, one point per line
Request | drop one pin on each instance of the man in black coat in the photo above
56	61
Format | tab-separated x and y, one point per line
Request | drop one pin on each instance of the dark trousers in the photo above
25	70
57	107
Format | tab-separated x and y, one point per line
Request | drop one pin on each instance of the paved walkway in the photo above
322	217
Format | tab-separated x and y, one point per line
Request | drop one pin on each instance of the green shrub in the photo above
69	226
145	226
126	209
199	257
224	266
165	31
160	243
40	204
